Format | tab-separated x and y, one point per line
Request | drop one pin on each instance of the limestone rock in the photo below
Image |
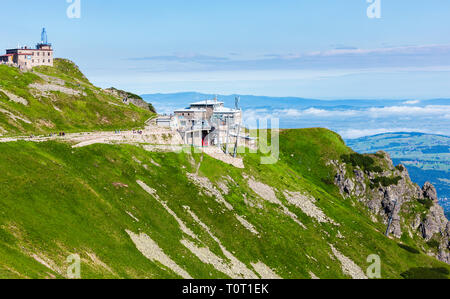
390	201
429	191
434	223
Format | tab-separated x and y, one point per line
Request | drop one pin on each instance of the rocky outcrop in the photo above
130	98
386	190
444	250
429	191
383	200
346	185
435	225
435	221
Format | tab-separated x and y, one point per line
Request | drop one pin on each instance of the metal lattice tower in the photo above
44	40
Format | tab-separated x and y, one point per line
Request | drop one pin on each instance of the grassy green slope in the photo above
55	200
54	111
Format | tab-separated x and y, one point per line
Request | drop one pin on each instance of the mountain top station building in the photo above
205	123
27	58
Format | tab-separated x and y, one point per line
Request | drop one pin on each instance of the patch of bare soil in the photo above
348	266
45	88
154	163
225	183
247	225
53	80
154	253
264	191
235	268
218	154
307	205
209	189
132	216
264	271
14	117
267	193
45	261
120	185
182	225
163	148
15	98
94	258
45	123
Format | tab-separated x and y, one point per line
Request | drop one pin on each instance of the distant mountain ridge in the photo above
182	97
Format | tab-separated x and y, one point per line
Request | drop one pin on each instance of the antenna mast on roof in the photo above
236	102
44	40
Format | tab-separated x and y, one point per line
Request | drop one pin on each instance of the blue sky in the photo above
323	49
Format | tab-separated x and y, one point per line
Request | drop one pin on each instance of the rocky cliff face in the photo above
387	190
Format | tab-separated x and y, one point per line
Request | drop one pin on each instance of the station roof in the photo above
225	110
190	110
206	102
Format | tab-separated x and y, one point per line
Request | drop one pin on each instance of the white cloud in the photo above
330	113
290	112
421	49
297	113
426	111
405	112
412	102
358	123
